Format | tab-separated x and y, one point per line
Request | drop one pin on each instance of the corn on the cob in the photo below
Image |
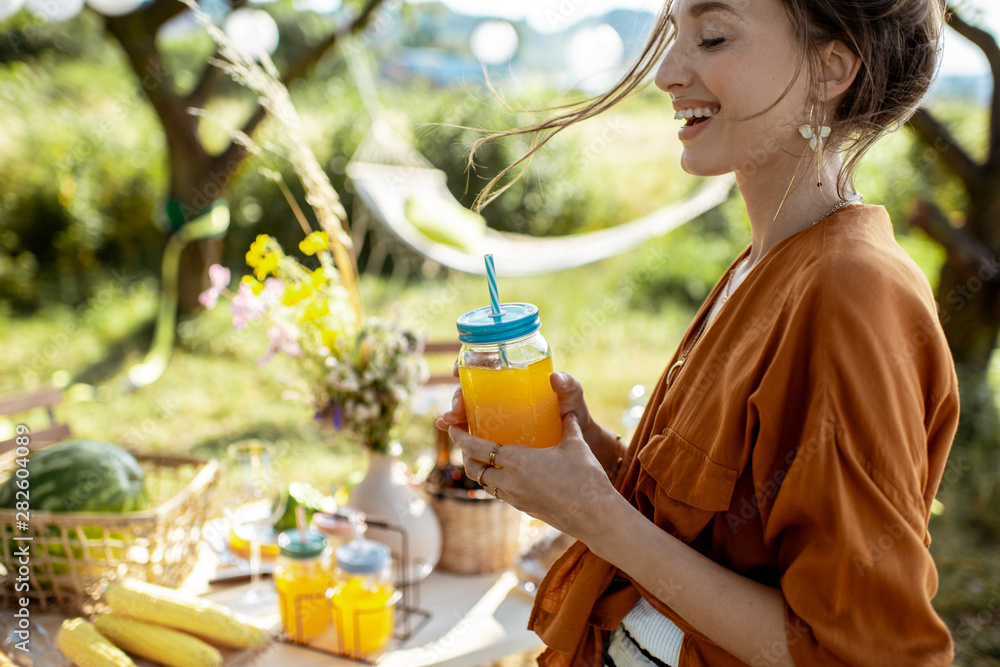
157	643
83	644
164	606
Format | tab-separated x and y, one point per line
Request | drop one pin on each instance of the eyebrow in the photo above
699	10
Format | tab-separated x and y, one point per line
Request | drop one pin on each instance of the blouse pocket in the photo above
681	486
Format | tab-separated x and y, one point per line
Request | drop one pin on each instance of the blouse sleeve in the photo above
856	415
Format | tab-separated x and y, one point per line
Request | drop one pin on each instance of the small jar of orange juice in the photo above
363	598
303	573
504	368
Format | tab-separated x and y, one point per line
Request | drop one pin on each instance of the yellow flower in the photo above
319	277
266	266
257	249
295	292
313	243
329	338
255	286
316	309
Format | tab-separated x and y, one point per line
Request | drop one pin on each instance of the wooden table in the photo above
474	620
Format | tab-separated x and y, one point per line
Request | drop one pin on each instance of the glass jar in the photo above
363	598
302	576
504	367
337	531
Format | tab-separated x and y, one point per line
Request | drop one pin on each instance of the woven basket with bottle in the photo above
479	533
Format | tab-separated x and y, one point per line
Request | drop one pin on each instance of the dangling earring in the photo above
816	137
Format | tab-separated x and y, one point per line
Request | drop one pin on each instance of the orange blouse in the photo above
800	445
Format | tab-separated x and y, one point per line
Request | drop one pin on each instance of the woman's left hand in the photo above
564	486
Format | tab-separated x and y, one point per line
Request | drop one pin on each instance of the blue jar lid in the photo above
516	320
363	557
291	544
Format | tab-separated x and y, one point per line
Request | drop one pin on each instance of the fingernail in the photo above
454	402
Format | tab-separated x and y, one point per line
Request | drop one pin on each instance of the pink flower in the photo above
248	306
273	289
219	277
283	341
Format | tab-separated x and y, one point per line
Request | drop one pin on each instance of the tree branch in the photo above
235	152
933	133
962	247
158	13
209	79
210	74
139	46
987	43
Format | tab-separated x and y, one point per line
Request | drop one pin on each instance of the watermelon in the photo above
81	476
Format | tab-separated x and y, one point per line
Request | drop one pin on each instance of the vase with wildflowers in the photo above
357	375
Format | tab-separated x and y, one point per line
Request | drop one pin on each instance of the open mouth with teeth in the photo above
693	117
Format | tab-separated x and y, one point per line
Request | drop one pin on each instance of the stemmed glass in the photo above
253	500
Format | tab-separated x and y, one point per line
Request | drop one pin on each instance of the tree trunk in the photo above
968	303
193	190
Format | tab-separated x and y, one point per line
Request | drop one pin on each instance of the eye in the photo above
712	43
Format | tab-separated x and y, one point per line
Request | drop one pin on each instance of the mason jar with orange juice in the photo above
504	368
302	575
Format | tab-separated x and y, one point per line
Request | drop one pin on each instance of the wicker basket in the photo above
74	555
479	533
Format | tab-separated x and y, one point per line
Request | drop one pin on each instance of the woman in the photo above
772	507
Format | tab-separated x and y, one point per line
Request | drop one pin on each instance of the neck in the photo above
777	211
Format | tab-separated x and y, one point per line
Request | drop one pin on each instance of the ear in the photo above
839	66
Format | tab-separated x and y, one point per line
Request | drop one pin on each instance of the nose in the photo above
673	74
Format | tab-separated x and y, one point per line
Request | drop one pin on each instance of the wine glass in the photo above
253	500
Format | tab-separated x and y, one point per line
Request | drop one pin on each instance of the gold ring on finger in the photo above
493	454
479	478
495	489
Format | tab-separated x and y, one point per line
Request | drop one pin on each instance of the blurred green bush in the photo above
83	180
83	167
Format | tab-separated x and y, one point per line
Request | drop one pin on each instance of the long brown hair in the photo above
897	42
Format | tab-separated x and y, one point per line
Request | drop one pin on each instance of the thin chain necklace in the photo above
725	292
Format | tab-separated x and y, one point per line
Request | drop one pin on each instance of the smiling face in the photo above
728	70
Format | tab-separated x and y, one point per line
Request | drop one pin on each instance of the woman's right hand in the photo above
603	443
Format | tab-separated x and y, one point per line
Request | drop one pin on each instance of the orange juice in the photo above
363	614
302	575
305	585
512	405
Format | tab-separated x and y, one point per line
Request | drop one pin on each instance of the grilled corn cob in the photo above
156	643
164	606
85	646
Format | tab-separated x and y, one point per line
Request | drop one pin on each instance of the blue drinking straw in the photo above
491	277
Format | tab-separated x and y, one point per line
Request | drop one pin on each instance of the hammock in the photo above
386	172
385	176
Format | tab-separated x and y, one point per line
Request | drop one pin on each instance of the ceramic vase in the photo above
414	534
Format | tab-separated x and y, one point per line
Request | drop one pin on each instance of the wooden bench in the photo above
44	397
